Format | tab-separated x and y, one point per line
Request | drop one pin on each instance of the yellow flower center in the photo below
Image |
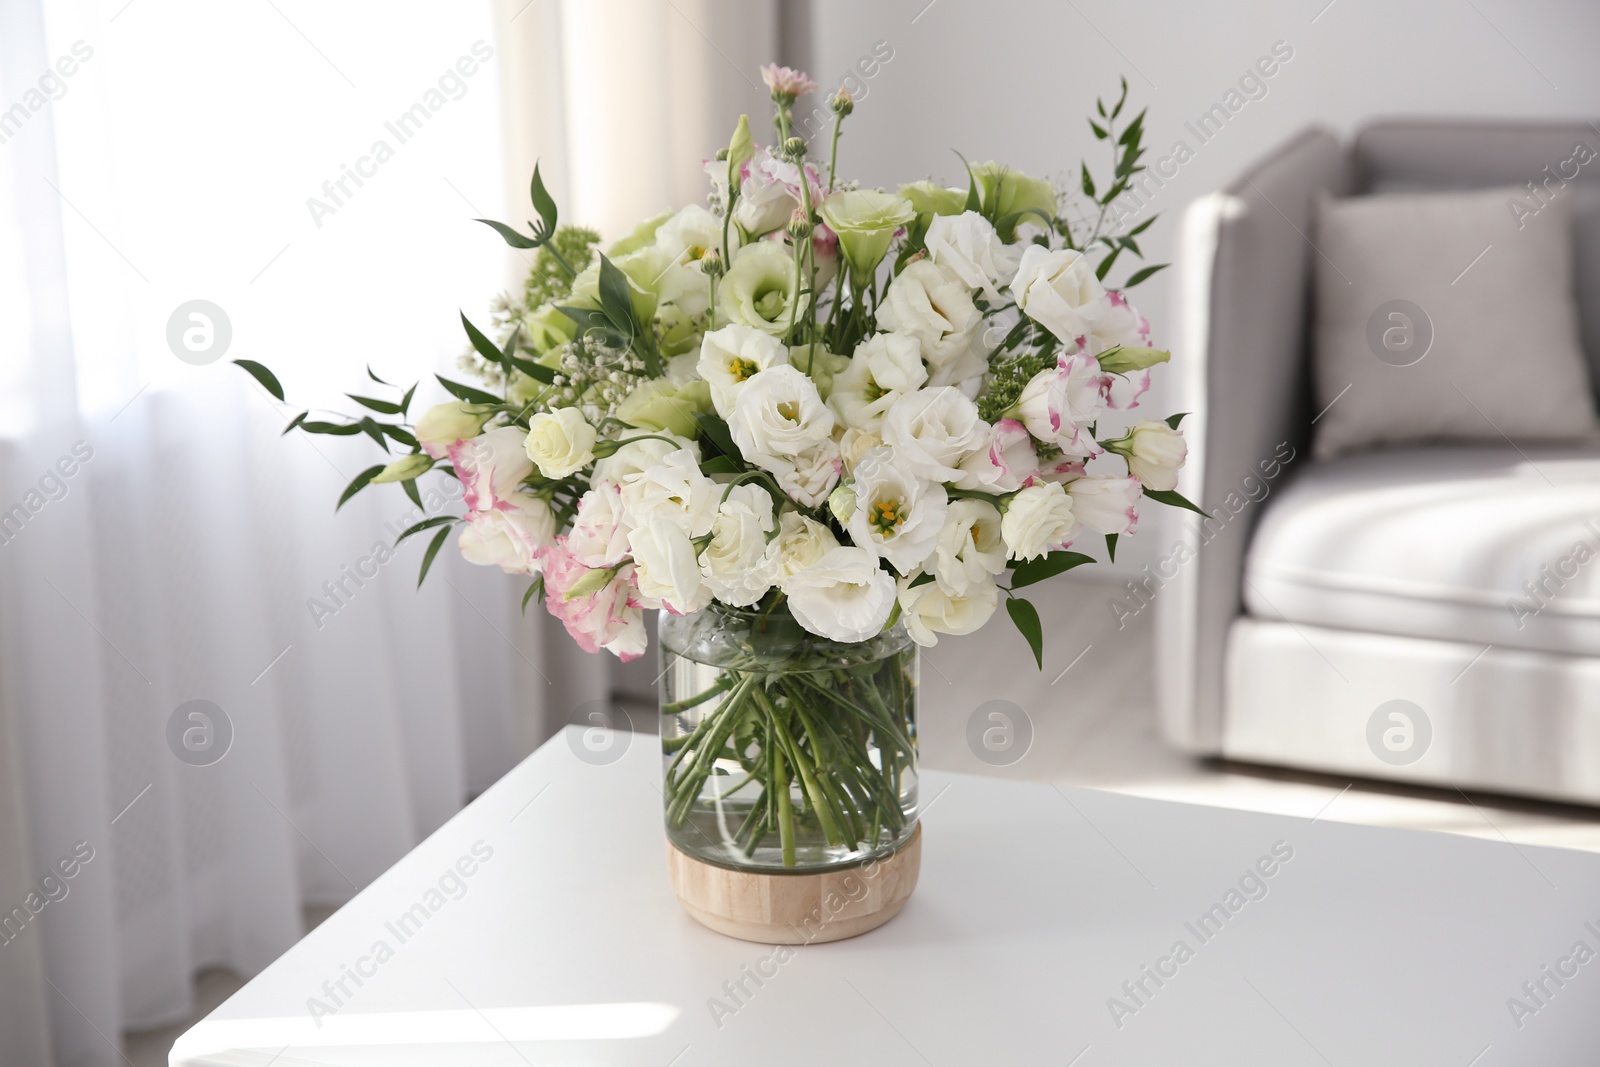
887	514
741	368
790	409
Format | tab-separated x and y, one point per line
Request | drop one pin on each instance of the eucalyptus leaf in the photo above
268	380
1026	619
433	550
358	483
1174	500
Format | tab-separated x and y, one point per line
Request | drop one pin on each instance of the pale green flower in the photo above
866	221
1003	192
760	289
640	236
657	404
930	199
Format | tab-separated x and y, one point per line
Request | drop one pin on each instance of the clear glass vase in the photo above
783	750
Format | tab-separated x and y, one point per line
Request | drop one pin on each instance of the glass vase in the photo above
782	750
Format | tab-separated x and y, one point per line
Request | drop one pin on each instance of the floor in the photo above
1091	713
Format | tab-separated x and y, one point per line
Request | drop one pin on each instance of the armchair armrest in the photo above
1243	282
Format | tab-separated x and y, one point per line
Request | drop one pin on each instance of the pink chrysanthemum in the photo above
786	81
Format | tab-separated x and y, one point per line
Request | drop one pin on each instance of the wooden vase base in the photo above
796	908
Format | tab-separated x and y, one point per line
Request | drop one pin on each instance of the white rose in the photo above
1057	289
560	442
1106	504
898	515
444	424
729	357
936	307
970	550
665	564
1037	520
1154	451
932	430
885	367
638	455
739	564
491	466
967	246
928	611
1008	459
801	542
599	536
674	490
1059	403
844	596
510	536
779	413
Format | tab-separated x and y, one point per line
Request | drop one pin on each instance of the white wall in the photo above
1013	80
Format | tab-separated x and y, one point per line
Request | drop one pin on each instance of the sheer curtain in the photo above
161	544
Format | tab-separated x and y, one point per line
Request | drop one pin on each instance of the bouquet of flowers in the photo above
868	404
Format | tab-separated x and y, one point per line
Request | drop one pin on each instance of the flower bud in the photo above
794	148
842	502
404	469
722	155
799	225
842	102
711	263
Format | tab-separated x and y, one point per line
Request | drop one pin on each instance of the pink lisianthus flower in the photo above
609	616
1006	463
1058	404
491	467
1121	324
786	81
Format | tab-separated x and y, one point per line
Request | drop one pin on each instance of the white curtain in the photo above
160	543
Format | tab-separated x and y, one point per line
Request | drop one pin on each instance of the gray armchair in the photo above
1286	632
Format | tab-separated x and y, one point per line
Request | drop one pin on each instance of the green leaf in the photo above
1141	275
486	348
922	579
298	419
1100	133
375	378
1143	226
468	393
337	429
268	380
543	203
1037	570
1173	500
398	434
1088	182
534	589
537	371
410	486
1111	547
425	524
1026	619
512	237
1173	420
717	432
721	465
371	428
386	407
358	483
1104	268
973	201
433	550
405	401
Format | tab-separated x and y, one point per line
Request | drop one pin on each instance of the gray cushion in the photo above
1442	316
1480	544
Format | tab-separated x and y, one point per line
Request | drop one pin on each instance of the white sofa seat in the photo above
1485	545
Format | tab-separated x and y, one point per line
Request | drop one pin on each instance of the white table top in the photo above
564	945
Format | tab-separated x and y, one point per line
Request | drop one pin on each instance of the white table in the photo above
1036	905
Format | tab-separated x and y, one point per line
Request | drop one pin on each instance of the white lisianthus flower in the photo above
970	550
1059	403
510	536
932	430
884	368
808	478
1057	289
692	232
928	611
898	515
666	568
491	466
967	246
599	536
1007	460
801	542
731	356
1154	451
1037	520
866	221
844	596
769	193
444	424
675	490
638	455
760	289
933	305
854	445
1106	504
560	442
739	564
779	414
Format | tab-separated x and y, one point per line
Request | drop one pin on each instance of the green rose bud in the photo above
1122	359
404	469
